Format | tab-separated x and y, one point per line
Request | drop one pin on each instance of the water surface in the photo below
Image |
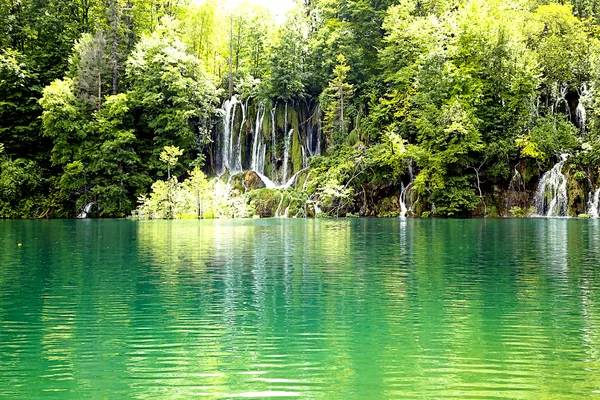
318	309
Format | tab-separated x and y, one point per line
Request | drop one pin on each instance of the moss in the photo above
296	155
585	216
388	207
576	195
301	179
237	187
265	201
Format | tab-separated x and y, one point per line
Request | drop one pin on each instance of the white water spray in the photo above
259	147
594	204
405	198
229	108
86	210
551	198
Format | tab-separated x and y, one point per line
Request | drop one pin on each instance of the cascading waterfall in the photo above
86	210
585	96
286	155
237	162
273	140
286	147
259	147
405	192
551	198
594	204
580	116
313	145
229	108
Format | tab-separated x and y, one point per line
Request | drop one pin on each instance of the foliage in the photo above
95	96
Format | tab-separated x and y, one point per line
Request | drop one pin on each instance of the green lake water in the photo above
316	309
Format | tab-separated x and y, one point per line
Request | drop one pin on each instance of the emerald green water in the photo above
319	309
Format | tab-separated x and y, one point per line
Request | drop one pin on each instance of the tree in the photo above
91	69
286	73
170	156
171	97
335	100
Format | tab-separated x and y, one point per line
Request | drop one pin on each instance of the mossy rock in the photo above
387	207
265	201
237	184
576	194
252	181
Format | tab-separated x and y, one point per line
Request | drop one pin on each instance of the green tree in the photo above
170	156
335	101
171	97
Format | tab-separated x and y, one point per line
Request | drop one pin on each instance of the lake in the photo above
320	309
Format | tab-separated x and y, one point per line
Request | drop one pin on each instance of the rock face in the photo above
252	181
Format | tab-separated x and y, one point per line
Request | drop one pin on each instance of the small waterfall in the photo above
259	147
586	96
273	142
286	149
561	97
551	196
313	144
237	162
580	117
229	108
86	210
406	192
304	158
286	154
594	204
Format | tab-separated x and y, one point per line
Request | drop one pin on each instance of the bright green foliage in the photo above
336	101
170	95
64	120
170	156
285	78
455	94
196	197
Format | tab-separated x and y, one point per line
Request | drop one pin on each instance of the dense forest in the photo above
181	109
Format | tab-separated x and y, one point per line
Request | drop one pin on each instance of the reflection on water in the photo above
307	308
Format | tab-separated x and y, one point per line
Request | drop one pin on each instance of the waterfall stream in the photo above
594	204
259	147
86	210
229	108
551	198
405	198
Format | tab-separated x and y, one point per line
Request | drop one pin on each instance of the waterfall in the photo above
313	144
580	117
594	204
551	196
406	192
286	148
259	147
286	154
229	108
273	142
304	158
237	162
86	210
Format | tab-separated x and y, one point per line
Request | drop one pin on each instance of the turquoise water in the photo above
317	309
